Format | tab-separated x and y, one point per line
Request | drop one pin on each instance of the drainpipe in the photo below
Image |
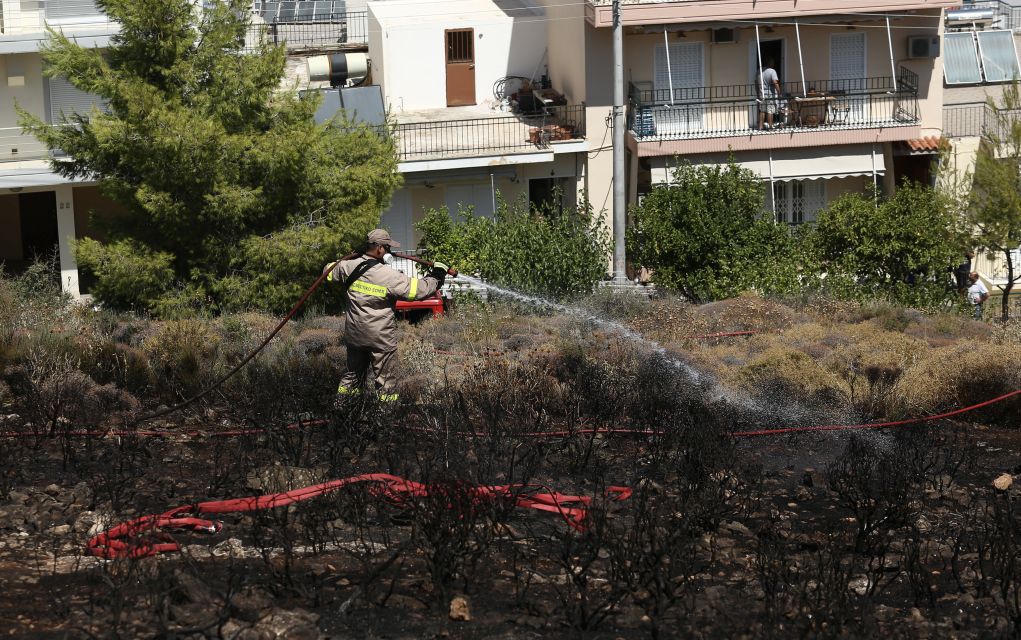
889	43
619	271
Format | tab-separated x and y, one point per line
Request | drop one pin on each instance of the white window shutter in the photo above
682	104
67	99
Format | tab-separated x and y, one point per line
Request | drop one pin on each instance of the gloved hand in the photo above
330	266
439	271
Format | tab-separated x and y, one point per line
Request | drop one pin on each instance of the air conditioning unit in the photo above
923	46
724	36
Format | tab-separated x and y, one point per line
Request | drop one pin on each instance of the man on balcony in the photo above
769	88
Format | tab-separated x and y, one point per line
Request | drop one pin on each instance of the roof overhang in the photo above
781	165
641	13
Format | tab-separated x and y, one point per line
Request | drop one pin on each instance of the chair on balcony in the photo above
645	122
840	108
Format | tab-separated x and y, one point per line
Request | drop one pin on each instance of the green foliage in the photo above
706	235
128	274
216	168
994	205
554	253
898	248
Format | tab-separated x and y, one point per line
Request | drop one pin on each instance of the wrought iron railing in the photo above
964	120
699	112
15	145
487	136
512	133
347	29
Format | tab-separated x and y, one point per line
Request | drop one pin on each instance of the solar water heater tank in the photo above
338	69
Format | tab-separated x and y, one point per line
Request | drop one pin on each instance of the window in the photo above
478	197
678	81
71	9
971	58
549	195
797	201
67	99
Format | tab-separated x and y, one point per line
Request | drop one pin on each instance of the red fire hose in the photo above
149	535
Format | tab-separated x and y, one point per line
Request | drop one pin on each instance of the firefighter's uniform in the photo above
370	331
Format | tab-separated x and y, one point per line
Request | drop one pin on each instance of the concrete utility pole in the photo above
619	203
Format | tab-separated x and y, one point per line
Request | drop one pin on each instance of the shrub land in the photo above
849	534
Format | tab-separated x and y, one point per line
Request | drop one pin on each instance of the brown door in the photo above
460	67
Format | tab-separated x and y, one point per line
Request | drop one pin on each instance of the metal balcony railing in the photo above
14	146
705	112
513	133
312	24
964	120
488	136
33	17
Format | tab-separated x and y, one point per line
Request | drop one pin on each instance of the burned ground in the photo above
898	532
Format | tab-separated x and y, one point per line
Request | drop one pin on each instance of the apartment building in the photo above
39	209
980	53
856	102
464	82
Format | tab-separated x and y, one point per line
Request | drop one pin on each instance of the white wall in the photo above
411	47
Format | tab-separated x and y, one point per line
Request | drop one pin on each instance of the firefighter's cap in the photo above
382	236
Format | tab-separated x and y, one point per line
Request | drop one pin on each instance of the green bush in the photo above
128	274
708	236
898	249
555	253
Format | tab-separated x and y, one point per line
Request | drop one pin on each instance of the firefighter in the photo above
371	289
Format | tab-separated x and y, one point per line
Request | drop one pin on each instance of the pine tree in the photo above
230	190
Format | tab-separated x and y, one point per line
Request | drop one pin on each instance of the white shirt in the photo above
976	291
767	78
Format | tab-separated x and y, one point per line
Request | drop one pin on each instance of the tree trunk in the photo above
1005	303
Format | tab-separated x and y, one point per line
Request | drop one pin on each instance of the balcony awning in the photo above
811	163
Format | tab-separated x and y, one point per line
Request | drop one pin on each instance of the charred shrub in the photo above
877	488
655	555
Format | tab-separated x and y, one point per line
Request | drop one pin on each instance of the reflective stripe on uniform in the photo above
414	289
346	391
389	397
375	290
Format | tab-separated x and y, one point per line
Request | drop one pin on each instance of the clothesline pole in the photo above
669	71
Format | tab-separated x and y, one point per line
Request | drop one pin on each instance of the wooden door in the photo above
460	66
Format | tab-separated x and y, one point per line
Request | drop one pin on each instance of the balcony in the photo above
645	12
16	146
311	25
436	134
809	113
71	16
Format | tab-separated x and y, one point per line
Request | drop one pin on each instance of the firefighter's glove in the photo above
439	271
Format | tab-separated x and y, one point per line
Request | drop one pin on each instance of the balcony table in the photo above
810	111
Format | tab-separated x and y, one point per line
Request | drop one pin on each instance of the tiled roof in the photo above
928	144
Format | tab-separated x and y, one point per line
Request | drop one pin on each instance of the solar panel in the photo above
364	104
960	59
999	58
